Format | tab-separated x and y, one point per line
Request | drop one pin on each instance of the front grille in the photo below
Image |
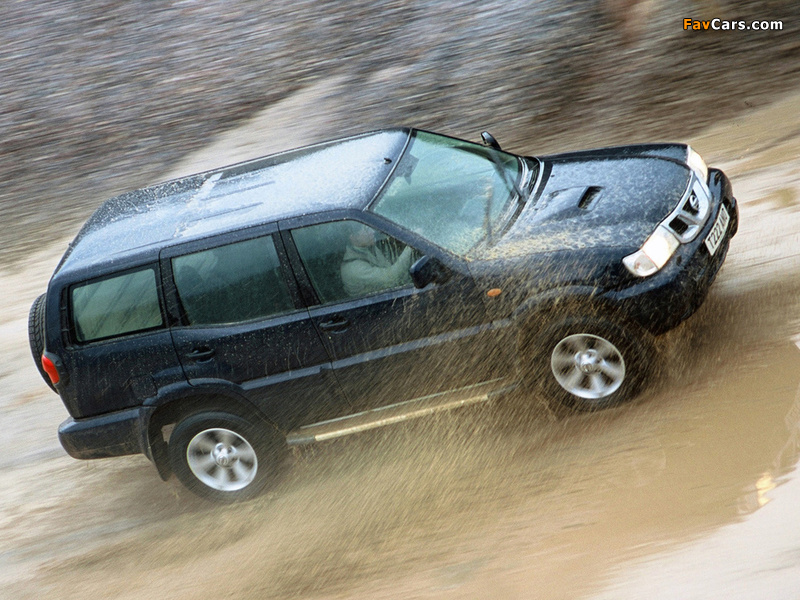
692	212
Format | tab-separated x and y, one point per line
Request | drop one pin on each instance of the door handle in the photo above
200	354
338	324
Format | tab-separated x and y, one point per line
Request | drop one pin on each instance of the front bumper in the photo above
666	299
114	434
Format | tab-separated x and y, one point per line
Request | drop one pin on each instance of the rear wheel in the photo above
588	363
224	457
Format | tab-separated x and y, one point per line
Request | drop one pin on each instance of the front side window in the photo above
348	259
451	192
116	306
232	283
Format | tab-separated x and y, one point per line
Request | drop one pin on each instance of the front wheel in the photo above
588	363
223	457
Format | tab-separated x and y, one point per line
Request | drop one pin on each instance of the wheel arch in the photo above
544	314
543	307
177	402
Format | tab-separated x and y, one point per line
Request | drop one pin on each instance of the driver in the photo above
366	269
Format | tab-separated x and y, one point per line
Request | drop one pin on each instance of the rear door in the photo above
242	322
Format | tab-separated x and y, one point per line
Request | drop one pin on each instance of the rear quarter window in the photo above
115	306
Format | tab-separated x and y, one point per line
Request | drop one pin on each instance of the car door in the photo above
389	342
242	323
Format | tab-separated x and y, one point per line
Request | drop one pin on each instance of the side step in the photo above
396	413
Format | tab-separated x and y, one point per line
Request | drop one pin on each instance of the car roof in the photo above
339	174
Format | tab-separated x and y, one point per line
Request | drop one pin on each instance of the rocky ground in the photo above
103	96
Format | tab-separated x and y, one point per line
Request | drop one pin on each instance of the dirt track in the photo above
688	492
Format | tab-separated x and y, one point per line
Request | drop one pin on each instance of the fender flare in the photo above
175	401
537	307
552	298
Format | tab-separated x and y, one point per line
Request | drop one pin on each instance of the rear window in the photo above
233	283
116	306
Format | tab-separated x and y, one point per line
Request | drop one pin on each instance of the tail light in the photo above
51	370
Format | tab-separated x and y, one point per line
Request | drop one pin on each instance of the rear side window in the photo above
116	306
228	284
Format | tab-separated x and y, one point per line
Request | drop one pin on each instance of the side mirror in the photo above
489	140
428	270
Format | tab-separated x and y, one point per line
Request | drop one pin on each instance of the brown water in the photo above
691	491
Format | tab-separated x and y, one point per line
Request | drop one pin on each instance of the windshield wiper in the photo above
510	183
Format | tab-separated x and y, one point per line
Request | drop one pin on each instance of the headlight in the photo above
654	254
698	165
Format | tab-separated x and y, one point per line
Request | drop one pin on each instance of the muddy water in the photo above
691	491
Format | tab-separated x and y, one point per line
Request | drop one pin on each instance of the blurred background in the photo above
102	96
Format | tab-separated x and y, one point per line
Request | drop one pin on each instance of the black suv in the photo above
212	321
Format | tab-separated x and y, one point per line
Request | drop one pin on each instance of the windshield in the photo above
454	193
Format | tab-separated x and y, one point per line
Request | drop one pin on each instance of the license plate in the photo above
717	233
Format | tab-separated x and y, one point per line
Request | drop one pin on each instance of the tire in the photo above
36	336
585	364
223	457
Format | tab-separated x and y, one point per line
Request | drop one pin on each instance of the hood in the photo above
595	202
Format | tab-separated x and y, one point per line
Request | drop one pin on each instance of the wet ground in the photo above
689	492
